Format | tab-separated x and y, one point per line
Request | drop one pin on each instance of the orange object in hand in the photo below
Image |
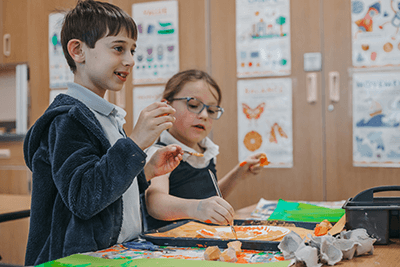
322	228
264	160
242	163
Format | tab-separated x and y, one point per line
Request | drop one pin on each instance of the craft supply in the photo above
212	253
143	245
220	195
236	245
188	152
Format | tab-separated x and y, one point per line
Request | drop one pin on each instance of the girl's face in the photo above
190	128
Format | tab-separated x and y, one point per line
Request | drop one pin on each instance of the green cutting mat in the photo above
80	260
301	212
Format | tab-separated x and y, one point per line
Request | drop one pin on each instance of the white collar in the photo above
211	150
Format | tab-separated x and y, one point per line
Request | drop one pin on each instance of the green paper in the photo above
79	260
302	212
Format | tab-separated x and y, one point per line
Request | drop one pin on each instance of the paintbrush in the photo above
188	152
220	195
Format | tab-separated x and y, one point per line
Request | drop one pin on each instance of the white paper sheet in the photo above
263	38
265	120
157	52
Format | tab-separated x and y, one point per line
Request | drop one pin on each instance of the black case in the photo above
378	215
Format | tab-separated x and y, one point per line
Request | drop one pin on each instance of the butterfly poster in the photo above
157	53
265	120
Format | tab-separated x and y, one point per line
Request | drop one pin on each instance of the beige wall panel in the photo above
344	180
305	180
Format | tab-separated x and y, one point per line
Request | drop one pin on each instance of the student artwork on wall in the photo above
375	29
265	120
157	52
144	96
59	71
263	38
376	119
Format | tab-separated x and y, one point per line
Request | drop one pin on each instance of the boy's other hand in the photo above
214	210
163	161
151	122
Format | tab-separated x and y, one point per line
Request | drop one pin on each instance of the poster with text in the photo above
263	38
157	52
375	33
376	119
144	96
59	71
265	120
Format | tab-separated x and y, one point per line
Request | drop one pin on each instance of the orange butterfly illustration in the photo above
253	113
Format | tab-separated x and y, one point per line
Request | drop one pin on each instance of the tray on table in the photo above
222	243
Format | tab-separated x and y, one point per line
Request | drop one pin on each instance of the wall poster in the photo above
157	52
375	27
59	71
263	38
265	120
376	119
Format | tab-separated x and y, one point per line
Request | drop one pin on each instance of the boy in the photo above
85	196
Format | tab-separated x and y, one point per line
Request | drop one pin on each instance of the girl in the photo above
188	191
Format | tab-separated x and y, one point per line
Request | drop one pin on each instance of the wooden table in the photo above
14	227
384	255
14	207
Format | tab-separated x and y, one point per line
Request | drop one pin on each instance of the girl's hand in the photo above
151	122
214	210
163	161
251	165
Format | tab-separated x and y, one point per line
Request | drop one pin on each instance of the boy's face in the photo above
107	65
190	128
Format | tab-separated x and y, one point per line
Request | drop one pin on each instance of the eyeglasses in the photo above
196	106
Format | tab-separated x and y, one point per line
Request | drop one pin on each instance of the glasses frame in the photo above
204	106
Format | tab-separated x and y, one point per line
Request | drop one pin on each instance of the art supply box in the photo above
378	215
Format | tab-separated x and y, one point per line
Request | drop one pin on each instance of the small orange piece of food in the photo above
162	115
322	228
228	255
212	253
236	245
208	221
242	163
264	160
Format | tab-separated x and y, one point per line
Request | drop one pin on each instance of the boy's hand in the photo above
163	161
214	210
151	122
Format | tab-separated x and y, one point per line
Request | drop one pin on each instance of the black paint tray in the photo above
205	242
378	215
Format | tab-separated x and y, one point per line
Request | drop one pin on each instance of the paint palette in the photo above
246	232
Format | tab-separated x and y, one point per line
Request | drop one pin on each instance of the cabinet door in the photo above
305	180
15	23
343	180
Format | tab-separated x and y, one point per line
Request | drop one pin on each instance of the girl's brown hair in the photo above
91	20
176	83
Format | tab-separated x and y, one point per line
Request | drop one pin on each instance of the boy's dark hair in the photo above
90	21
176	82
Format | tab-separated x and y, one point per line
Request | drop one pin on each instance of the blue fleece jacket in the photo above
78	180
